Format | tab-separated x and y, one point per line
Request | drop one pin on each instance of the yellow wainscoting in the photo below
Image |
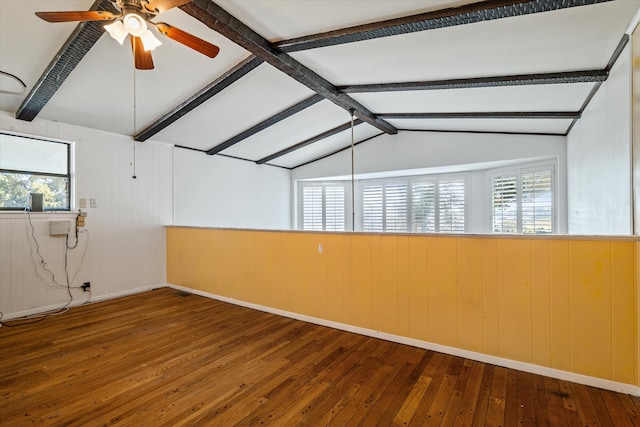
563	303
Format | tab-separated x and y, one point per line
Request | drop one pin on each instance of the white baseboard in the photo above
79	300
467	354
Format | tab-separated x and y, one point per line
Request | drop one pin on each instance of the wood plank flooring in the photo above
165	359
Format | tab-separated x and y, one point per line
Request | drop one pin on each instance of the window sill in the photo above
37	215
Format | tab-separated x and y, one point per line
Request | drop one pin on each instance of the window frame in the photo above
69	175
382	183
435	179
518	171
323	185
452	177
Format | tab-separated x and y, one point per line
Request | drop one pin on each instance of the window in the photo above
451	205
323	206
384	207
30	165
424	205
373	208
523	201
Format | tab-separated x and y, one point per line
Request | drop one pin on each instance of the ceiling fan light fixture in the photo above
134	24
134	20
149	41
117	31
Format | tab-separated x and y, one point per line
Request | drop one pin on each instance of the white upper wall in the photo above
215	191
599	158
126	246
126	236
420	150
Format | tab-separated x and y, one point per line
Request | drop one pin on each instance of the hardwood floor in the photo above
163	358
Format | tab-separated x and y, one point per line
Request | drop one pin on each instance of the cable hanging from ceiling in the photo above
16	78
135	126
353	193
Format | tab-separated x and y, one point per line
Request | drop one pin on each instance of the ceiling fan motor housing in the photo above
139	7
135	20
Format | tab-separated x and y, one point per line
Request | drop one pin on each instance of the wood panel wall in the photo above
561	303
125	251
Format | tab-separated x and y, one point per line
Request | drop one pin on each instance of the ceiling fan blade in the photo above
189	40
159	6
142	58
91	15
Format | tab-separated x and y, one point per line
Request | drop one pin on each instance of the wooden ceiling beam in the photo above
309	141
467	14
487	115
64	62
266	123
591	76
614	57
337	151
218	85
219	20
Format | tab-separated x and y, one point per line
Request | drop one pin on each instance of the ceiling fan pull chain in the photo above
133	139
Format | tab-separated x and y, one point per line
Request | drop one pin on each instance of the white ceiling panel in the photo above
306	124
554	126
567	97
326	146
99	93
27	57
259	95
277	19
578	38
106	101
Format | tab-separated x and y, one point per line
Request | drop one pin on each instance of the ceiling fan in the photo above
134	20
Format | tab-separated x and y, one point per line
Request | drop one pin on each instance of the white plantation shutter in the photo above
395	207
523	201
537	202
312	208
323	207
504	203
451	205
334	208
372	208
423	207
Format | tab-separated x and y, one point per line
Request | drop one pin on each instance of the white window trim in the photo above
446	177
435	178
71	166
299	201
519	170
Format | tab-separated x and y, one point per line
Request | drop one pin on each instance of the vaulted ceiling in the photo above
289	74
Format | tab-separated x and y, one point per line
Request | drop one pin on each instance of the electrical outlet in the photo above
83	203
86	286
93	203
